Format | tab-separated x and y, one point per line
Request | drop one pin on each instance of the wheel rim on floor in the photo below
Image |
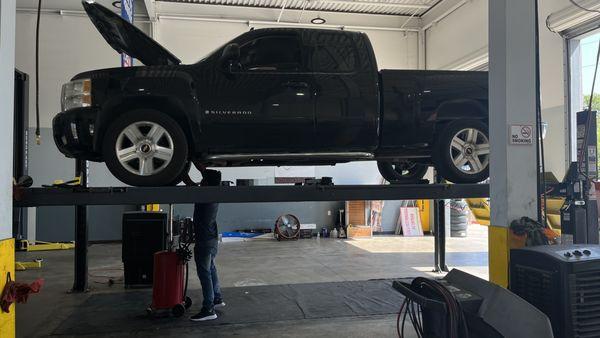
144	148
470	151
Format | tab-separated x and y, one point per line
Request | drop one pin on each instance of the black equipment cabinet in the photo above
144	233
563	281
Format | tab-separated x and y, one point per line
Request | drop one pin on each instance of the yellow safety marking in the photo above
7	265
480	208
22	266
499	252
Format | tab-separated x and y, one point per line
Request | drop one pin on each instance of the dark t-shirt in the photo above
205	221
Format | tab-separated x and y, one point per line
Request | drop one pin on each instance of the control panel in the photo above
579	253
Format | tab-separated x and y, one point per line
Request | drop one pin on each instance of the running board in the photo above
278	156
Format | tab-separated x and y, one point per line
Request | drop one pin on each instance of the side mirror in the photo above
230	58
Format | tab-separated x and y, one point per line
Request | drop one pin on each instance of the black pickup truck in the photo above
271	97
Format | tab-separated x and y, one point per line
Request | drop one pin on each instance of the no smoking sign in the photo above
521	134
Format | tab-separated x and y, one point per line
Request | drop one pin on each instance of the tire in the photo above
146	159
457	144
407	172
184	172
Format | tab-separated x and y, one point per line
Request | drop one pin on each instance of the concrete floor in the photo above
258	262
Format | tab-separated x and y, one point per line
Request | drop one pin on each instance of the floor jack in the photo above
171	275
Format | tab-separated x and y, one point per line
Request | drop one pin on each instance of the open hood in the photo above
126	38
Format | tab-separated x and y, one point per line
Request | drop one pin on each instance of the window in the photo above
334	53
582	52
589	53
272	53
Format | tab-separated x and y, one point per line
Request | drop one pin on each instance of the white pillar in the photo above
513	97
7	79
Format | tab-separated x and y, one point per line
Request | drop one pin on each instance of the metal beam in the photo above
151	9
318	2
376	3
440	11
244	194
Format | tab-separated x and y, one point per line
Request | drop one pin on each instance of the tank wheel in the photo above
178	310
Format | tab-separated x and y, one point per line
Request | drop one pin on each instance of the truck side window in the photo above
334	53
272	53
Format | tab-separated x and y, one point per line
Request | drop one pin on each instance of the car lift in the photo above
82	196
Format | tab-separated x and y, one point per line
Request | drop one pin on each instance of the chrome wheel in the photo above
470	151
144	148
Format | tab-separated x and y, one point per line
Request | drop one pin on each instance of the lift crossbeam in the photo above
33	197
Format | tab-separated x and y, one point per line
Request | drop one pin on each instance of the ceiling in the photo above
75	5
389	7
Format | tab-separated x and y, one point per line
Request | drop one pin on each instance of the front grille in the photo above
584	292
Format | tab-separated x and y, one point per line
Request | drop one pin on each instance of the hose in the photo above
456	321
187	278
38	137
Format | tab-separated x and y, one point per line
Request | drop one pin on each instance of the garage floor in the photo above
250	264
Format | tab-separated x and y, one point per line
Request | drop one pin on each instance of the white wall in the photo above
458	37
7	61
463	36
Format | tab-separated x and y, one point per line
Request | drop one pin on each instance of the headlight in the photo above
76	94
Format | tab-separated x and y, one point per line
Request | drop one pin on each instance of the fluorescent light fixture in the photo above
318	21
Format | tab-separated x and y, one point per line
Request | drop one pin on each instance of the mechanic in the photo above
205	250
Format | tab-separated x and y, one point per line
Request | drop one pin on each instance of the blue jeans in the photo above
204	255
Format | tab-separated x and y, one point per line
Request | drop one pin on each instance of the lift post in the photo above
81	233
439	231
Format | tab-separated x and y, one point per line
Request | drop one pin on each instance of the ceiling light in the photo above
318	21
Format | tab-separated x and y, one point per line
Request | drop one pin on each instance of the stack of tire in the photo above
459	218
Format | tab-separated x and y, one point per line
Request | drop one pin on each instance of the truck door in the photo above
347	99
266	105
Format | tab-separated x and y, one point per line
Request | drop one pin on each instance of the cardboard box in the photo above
360	231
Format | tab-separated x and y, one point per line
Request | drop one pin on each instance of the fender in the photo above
172	92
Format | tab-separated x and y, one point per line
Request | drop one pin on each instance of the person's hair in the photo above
211	178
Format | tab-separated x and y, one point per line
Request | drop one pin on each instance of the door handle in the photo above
296	84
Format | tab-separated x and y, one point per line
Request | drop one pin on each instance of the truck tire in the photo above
459	218
145	147
407	172
462	151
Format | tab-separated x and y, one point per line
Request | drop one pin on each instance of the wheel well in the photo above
171	109
460	110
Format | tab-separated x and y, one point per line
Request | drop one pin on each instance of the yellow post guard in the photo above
7	265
